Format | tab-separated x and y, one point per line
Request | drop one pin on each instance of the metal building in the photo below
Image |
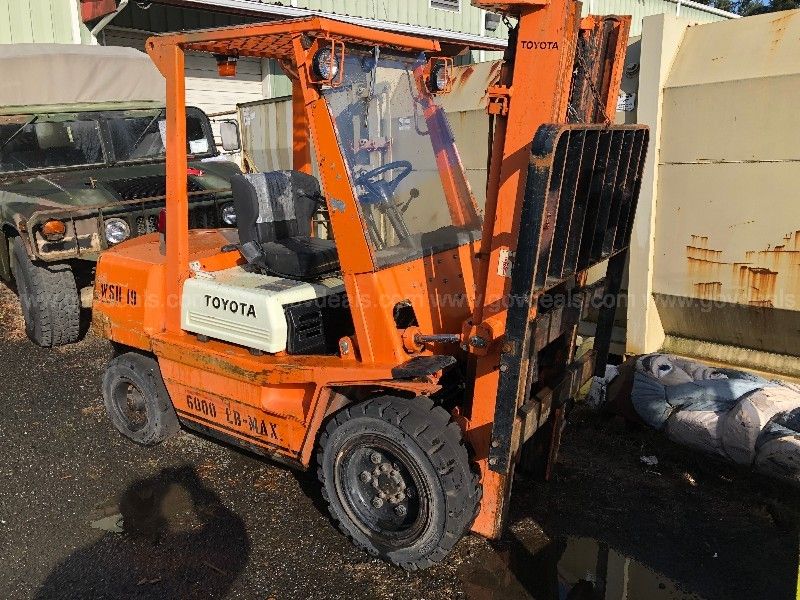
130	22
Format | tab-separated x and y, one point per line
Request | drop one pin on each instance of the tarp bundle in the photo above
55	74
737	415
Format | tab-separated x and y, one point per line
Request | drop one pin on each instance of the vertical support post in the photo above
661	40
301	143
605	318
173	68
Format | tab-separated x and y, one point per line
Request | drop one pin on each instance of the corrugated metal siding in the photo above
413	12
638	9
169	18
40	21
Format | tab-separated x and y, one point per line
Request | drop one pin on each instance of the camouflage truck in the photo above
82	167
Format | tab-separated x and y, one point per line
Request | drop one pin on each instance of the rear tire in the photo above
397	478
49	297
137	400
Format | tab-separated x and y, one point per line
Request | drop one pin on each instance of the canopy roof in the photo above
58	74
275	39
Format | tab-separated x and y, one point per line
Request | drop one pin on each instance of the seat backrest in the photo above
274	206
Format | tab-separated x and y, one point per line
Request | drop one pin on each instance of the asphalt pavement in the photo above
86	514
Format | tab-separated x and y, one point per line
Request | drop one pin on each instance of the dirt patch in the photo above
10	314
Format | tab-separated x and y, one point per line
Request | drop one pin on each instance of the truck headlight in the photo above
117	230
229	214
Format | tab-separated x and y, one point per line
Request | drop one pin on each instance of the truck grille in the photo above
201	216
150	186
146	224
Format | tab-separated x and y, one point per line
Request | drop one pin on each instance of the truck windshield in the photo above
407	172
40	144
143	136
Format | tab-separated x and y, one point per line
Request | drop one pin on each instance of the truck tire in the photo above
137	400
397	479
49	297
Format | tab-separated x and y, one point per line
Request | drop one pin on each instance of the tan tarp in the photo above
48	74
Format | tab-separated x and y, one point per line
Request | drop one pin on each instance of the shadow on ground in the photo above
171	538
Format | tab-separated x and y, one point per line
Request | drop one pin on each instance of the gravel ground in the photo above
86	514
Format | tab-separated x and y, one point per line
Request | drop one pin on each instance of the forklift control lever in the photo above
438	338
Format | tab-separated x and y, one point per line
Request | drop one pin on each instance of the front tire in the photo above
397	479
137	400
49	298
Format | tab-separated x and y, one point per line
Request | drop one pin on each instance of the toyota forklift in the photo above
368	316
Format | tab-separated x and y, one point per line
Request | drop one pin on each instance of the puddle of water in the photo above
571	568
112	523
149	514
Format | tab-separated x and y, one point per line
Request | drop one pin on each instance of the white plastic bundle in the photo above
736	415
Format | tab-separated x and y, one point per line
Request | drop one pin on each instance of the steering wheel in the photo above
381	191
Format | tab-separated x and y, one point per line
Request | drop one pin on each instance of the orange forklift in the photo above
374	320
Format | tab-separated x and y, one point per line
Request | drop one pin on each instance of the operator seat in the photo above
273	215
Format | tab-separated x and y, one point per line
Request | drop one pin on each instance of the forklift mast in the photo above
540	199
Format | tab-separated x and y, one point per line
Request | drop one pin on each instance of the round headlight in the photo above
326	65
439	78
117	231
229	214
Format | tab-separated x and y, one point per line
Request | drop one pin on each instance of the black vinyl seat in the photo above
273	215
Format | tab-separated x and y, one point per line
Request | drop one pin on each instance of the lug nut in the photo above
385	468
376	458
365	477
377	502
400	510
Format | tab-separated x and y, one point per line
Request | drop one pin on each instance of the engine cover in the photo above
246	308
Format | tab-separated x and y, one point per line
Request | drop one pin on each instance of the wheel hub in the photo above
382	490
388	483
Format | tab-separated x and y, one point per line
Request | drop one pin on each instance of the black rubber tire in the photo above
49	297
153	419
425	434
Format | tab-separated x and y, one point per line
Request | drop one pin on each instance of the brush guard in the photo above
578	210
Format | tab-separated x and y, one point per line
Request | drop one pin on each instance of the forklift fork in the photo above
580	199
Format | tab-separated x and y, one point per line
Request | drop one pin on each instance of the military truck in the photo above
82	151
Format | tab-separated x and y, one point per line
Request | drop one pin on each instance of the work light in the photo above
440	77
326	67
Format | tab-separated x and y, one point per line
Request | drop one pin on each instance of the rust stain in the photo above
466	74
711	290
703	254
765	278
779	30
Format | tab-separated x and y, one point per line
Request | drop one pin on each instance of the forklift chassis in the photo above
419	416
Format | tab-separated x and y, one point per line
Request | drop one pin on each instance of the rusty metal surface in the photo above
727	232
